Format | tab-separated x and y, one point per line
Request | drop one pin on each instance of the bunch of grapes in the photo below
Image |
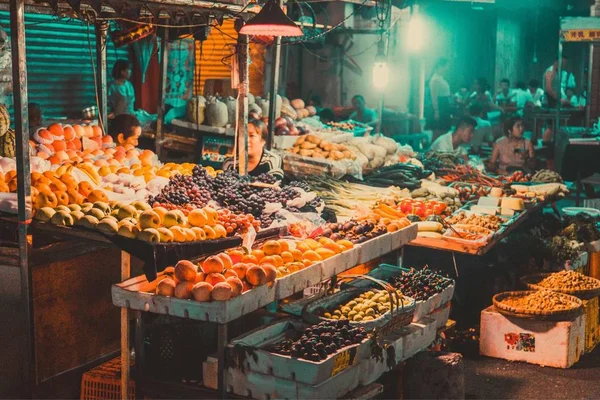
182	191
265	178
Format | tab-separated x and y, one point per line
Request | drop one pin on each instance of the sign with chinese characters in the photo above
581	35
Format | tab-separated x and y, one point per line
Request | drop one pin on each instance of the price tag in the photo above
341	362
344	360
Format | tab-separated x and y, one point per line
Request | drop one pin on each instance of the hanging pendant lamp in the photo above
271	21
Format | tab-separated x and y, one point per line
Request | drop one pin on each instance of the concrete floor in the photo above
489	378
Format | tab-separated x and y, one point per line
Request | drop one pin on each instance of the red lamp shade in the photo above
271	21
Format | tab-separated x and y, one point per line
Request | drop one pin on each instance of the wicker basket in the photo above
531	282
561	315
401	314
104	382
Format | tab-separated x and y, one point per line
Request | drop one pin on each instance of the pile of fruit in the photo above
313	146
359	231
367	306
320	341
217	278
138	221
569	280
240	194
420	285
289	256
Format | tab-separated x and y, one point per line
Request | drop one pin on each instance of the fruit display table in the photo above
138	294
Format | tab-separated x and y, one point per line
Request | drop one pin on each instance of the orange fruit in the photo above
236	256
297	254
308	263
259	254
336	248
302	247
323	253
287	257
346	243
278	261
267	260
312	256
285	246
97	131
272	247
249	259
312	244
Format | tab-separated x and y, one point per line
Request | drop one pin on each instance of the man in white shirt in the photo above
522	98
454	142
536	92
505	94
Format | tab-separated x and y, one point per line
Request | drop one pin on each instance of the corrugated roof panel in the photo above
60	75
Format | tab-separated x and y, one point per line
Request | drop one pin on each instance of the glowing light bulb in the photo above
381	74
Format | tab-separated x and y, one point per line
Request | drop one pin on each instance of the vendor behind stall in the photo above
362	113
260	160
125	129
512	152
454	142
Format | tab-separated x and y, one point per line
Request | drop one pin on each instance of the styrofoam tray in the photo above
261	386
291	368
298	281
341	262
441	315
139	294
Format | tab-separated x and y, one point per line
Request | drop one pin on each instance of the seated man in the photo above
362	113
455	141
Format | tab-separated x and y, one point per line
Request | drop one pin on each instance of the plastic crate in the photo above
104	382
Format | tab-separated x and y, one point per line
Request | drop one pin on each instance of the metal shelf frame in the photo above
17	9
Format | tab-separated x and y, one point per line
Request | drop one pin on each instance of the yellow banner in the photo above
581	35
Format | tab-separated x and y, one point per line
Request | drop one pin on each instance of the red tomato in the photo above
439	208
420	211
406	206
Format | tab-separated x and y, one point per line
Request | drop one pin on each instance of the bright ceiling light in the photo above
381	72
271	21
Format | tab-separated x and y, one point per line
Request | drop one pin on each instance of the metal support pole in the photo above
588	96
164	62
559	94
242	104
276	60
125	273
24	201
221	345
101	34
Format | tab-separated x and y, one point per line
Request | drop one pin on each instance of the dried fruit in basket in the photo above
569	280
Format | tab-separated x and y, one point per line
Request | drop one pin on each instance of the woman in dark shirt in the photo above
260	160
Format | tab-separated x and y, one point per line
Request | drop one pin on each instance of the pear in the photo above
62	218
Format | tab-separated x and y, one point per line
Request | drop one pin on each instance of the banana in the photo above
90	171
